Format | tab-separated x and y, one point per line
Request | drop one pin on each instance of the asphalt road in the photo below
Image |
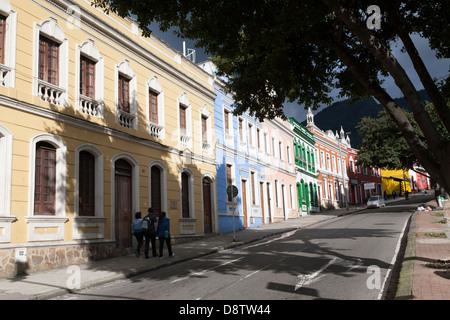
347	258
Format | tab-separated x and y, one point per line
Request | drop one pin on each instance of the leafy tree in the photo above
383	145
278	50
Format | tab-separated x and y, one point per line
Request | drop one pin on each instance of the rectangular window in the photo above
153	106
241	129
183	119
87	77
253	188
204	129
45	180
124	94
258	138
48	60
2	38
86	184
250	134
227	121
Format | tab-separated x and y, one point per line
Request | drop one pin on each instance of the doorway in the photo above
244	201
123	203
207	206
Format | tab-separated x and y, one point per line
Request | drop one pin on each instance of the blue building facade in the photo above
238	145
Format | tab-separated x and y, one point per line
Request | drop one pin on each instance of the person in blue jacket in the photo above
136	230
163	231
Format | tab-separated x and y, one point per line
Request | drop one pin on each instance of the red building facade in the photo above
364	182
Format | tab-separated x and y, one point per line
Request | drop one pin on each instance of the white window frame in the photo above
157	130
185	140
42	221
162	167
98	220
50	29
89	50
124	68
6	140
8	68
228	136
206	147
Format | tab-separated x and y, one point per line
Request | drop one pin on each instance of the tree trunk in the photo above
435	159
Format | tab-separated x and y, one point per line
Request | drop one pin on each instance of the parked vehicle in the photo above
376	202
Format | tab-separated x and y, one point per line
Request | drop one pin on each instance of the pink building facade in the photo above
280	194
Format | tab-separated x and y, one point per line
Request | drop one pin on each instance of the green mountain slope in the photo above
348	115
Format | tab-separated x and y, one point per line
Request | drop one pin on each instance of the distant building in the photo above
364	182
395	180
419	179
305	154
331	159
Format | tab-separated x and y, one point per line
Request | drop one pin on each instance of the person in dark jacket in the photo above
150	233
163	232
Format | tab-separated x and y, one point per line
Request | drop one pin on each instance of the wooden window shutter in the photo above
87	77
45	180
205	129
124	94
227	121
48	60
183	119
2	38
185	195
153	101
86	192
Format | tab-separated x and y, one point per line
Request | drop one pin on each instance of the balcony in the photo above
4	70
155	130
89	106
185	140
126	119
51	93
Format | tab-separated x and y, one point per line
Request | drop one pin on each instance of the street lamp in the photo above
342	172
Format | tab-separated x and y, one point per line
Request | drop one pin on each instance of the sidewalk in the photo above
425	271
48	284
55	282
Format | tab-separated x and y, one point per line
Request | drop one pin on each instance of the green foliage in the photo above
384	146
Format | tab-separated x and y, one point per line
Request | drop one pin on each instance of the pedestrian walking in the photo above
385	195
394	194
136	230
406	194
149	229
163	231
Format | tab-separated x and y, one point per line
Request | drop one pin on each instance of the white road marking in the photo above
310	278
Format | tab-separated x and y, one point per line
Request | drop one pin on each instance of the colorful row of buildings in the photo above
97	123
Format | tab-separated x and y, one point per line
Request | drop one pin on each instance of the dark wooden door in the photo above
244	202
123	213
261	201
269	207
156	190
207	209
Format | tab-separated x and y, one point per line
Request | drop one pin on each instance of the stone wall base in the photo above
42	258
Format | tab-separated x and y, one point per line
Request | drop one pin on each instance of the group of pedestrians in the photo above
149	228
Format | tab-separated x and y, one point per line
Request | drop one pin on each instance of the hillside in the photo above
348	115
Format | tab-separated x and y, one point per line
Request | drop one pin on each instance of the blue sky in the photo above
438	68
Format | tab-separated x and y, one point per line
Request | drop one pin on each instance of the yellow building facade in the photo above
96	123
395	180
